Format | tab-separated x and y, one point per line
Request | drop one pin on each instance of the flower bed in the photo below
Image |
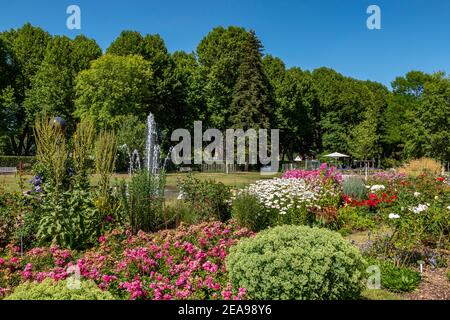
184	263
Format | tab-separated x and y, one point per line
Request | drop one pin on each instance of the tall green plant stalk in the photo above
105	159
143	201
51	151
83	145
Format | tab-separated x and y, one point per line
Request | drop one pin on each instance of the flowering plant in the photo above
322	175
184	263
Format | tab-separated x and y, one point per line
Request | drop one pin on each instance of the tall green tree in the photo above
25	48
431	136
220	54
400	122
252	98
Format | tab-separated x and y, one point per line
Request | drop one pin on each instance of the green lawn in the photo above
237	180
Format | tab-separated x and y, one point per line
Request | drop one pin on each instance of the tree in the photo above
164	90
434	118
363	139
127	43
113	86
252	98
219	54
401	128
341	105
294	113
25	49
51	88
84	50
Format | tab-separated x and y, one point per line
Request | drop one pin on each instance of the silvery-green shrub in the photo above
58	290
297	262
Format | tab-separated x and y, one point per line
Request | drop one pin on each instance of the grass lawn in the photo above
237	180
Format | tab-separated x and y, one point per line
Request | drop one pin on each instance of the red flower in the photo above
440	179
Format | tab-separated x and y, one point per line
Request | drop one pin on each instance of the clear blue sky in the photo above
415	34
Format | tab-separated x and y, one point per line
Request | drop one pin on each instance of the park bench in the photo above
8	170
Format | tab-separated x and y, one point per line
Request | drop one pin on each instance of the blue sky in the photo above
415	34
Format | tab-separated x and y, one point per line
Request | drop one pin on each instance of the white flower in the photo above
377	187
393	216
282	194
420	208
436	197
416	194
448	207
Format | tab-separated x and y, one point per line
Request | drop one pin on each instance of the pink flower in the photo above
26	273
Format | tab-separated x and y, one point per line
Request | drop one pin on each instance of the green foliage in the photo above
250	213
143	201
111	87
51	152
26	48
183	212
52	90
58	290
296	262
83	145
220	54
15	161
355	188
209	198
130	132
354	219
70	214
105	159
252	99
396	279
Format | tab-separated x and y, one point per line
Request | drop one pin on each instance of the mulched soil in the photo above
434	286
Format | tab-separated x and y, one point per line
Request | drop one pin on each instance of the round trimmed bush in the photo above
58	290
297	262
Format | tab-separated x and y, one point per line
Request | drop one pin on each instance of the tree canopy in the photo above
227	82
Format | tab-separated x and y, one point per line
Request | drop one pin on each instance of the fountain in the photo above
152	148
135	162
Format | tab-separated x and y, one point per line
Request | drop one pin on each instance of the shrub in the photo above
209	198
355	187
396	279
250	213
421	166
354	219
58	290
296	262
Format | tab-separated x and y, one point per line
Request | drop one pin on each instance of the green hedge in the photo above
13	161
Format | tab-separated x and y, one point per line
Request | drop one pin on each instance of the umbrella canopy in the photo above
337	155
298	158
